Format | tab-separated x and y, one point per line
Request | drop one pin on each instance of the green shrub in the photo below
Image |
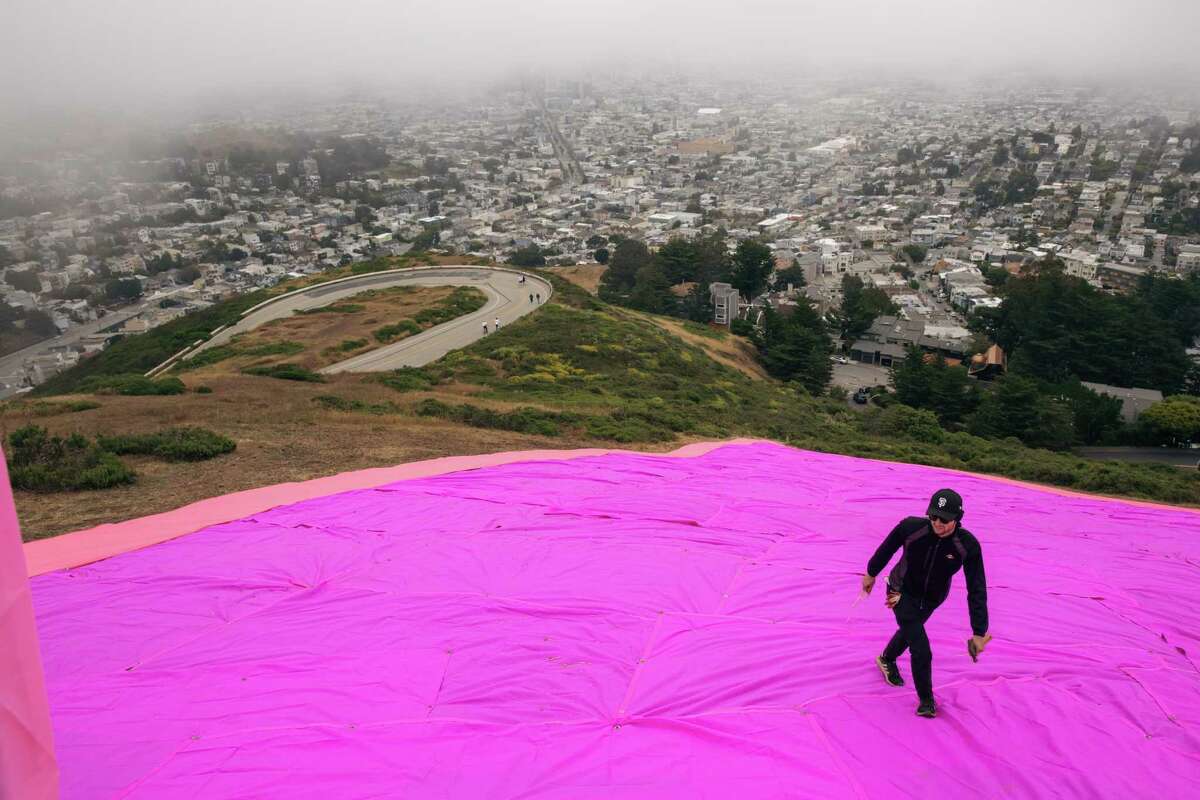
351	344
272	349
222	352
203	390
38	462
172	444
620	426
335	403
335	308
626	428
408	379
910	423
705	330
133	385
741	327
522	420
204	358
400	330
44	409
287	372
463	300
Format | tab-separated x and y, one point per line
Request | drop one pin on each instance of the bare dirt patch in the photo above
586	276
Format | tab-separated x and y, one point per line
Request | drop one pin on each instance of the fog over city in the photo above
144	54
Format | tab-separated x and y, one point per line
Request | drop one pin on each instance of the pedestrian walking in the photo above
531	297
935	547
539	298
485	330
497	323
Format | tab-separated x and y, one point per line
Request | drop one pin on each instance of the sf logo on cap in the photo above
941	502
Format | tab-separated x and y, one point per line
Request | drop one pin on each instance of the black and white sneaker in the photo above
891	673
927	708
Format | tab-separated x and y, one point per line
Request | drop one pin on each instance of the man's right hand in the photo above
868	583
893	599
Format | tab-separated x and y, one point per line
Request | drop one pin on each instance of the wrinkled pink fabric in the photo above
627	626
27	768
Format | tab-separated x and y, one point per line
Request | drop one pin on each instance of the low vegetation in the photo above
46	409
286	372
524	420
173	444
131	385
139	354
237	347
463	300
398	330
41	462
335	308
336	403
408	379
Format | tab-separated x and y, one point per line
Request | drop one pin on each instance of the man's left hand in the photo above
976	644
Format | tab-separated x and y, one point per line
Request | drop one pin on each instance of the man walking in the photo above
935	547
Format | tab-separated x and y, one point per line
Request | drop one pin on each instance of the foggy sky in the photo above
143	53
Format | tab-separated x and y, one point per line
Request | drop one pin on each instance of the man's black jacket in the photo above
924	571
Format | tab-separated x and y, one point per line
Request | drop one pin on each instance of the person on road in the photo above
531	297
497	324
935	547
485	330
539	297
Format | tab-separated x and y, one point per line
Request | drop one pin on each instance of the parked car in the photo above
861	396
839	359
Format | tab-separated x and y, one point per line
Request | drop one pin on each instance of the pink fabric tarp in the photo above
27	768
110	539
626	626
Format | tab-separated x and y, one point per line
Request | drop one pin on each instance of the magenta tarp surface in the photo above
627	626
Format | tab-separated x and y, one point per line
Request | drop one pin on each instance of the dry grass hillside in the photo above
281	433
717	342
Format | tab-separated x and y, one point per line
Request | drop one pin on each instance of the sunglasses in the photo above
933	518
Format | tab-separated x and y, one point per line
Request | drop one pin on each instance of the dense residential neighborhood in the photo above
926	198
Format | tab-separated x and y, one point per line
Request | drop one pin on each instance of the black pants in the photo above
911	618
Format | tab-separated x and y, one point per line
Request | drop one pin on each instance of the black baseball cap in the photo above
945	504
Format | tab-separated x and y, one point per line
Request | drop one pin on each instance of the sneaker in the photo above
927	709
891	673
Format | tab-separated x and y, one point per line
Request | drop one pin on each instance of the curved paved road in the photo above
508	299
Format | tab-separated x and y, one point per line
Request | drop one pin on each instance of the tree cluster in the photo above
1055	327
796	347
1055	416
861	305
640	279
24	279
